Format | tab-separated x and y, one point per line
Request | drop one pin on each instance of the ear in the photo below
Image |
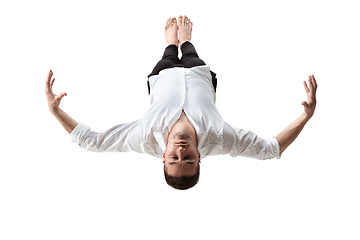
199	156
164	157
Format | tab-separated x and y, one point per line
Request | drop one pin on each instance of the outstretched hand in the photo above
52	99
310	103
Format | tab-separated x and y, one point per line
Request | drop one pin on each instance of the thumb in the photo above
305	104
61	95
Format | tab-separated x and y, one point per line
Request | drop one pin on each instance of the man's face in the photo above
181	156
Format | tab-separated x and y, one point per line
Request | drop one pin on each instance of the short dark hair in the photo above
182	183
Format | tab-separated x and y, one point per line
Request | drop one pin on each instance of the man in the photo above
183	124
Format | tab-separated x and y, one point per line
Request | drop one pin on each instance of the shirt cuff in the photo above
274	147
78	133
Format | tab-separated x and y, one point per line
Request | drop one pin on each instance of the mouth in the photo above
181	143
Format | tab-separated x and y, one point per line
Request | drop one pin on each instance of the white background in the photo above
102	51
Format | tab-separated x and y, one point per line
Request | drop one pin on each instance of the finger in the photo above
48	78
48	82
314	81
306	87
61	95
311	80
305	104
311	86
52	82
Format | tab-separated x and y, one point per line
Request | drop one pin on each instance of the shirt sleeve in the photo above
239	142
120	138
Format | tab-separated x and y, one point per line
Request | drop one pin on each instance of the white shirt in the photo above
174	90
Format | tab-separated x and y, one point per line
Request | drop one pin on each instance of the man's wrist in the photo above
307	116
54	110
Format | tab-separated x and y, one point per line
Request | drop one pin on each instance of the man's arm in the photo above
290	133
120	138
54	101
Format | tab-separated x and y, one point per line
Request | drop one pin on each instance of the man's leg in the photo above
190	58
170	57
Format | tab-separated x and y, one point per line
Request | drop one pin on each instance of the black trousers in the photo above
189	59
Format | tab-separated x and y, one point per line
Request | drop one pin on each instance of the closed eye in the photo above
171	163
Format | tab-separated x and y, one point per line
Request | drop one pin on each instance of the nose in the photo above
181	147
